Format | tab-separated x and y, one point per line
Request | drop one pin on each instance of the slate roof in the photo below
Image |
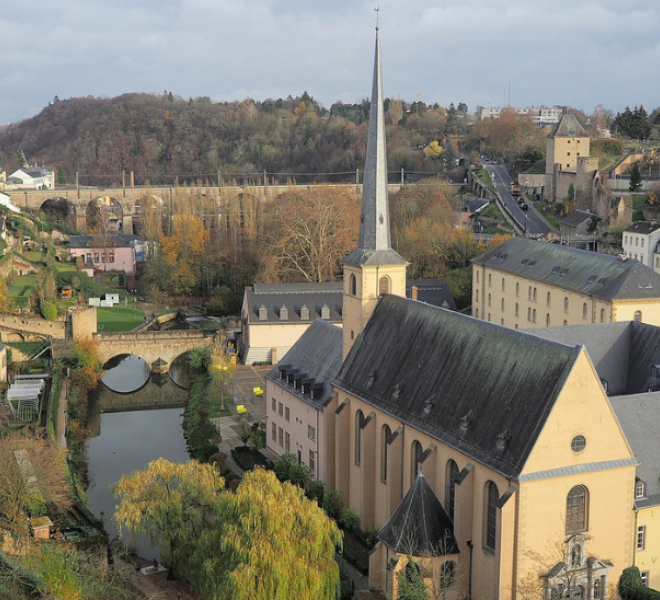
643	227
483	389
623	354
568	126
432	291
639	417
115	240
294	296
576	217
602	276
315	358
420	526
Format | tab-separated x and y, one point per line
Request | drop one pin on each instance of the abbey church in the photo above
491	456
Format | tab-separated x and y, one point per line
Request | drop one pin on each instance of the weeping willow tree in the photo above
268	542
169	502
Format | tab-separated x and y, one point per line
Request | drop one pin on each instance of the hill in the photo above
160	137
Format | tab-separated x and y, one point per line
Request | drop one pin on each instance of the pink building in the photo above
113	253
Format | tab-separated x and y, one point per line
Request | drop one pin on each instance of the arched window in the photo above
477	276
489	279
517	288
451	471
385	433
358	437
638	316
415	457
576	509
584	311
491	497
502	304
602	315
535	294
566	304
384	285
476	313
502	283
488	298
549	299
516	310
353	284
547	320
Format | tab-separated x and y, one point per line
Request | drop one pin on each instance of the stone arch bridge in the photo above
157	348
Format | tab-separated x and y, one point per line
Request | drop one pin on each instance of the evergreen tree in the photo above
635	178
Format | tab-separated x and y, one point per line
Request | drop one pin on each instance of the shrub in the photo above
350	520
333	504
48	310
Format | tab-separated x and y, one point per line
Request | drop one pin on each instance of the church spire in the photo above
374	239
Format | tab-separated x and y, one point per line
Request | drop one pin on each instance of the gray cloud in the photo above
544	52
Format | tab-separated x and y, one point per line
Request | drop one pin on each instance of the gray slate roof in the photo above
569	126
576	217
623	354
293	296
115	240
478	387
315	358
432	291
644	227
420	526
603	276
639	416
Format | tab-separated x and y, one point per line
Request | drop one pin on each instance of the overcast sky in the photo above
579	53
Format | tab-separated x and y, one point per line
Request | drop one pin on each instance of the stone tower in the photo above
373	269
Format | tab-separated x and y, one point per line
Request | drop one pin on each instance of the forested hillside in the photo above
163	137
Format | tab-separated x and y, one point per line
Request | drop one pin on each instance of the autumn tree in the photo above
185	251
170	503
32	473
308	233
268	542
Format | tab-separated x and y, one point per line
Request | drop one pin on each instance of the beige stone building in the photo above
525	284
275	315
492	457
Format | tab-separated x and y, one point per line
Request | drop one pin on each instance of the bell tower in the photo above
374	268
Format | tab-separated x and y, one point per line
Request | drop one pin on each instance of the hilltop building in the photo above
32	177
541	116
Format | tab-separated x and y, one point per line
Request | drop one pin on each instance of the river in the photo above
126	441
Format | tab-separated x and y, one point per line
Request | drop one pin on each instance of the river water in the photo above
126	441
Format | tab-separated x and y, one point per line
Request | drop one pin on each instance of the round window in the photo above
578	443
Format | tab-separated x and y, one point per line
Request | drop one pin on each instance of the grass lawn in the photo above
20	284
117	319
543	209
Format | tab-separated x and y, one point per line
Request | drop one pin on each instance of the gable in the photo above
582	409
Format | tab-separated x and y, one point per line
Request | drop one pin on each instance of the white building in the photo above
540	115
640	241
35	177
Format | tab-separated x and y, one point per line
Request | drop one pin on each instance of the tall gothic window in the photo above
384	449
492	496
415	456
353	285
450	488
358	437
577	509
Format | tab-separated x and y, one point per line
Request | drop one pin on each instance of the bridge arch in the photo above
105	213
60	211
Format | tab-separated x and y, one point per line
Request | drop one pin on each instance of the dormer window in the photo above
655	371
284	313
304	313
263	313
639	488
325	312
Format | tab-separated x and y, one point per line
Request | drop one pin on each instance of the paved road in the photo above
530	222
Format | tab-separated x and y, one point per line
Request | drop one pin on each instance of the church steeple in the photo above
373	268
374	239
